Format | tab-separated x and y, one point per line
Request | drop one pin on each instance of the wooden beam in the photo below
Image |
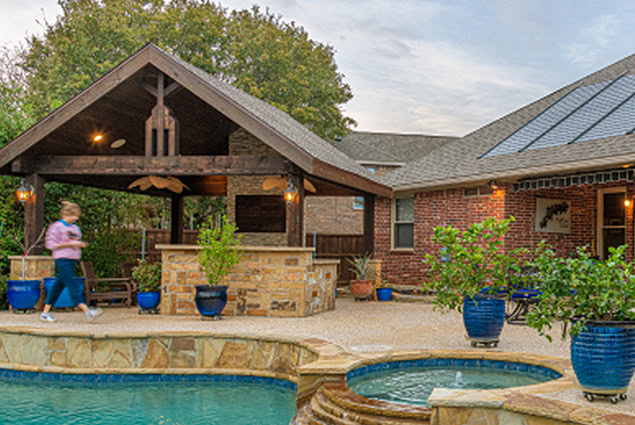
143	165
77	104
295	212
369	223
228	107
176	223
161	115
34	214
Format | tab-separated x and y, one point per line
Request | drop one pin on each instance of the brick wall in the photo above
333	215
443	207
522	205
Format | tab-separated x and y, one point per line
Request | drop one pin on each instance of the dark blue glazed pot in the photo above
23	294
384	294
148	300
64	300
603	356
211	299
483	317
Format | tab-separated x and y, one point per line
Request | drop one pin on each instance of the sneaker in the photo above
93	313
46	317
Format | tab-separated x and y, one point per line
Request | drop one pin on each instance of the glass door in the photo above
611	219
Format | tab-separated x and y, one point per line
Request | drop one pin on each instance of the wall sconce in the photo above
493	184
291	192
627	202
24	192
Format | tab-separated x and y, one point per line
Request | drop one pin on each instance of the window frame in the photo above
358	203
394	223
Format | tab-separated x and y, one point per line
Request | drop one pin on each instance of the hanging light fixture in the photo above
291	193
24	192
493	184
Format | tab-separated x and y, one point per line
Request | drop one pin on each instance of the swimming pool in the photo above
166	403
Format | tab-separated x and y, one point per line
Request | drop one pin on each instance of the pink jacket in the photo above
59	233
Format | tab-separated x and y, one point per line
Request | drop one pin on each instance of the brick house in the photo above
563	166
379	153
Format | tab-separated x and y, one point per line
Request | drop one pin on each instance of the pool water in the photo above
184	403
414	385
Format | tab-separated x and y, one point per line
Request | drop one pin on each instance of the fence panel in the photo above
341	247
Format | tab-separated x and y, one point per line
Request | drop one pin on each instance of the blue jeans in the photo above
65	278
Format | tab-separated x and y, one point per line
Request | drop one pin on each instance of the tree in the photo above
255	51
15	117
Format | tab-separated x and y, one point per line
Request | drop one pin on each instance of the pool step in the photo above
326	408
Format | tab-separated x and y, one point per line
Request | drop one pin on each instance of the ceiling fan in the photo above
171	183
281	182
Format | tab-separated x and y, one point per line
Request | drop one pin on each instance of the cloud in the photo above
594	42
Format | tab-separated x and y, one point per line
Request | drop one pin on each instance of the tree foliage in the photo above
254	50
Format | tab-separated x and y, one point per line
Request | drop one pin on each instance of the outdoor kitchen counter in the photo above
268	281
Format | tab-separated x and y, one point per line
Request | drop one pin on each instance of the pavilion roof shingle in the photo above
281	122
468	159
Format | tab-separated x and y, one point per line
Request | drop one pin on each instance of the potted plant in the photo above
596	301
384	291
23	294
472	274
148	278
362	287
220	252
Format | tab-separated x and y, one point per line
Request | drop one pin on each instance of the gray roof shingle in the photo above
464	161
365	146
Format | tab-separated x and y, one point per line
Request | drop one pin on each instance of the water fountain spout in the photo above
459	379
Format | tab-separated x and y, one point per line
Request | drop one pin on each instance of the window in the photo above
261	214
358	203
403	229
371	169
611	220
478	191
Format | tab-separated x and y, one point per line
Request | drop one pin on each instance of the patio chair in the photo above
106	289
524	296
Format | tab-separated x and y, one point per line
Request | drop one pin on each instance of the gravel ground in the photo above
356	326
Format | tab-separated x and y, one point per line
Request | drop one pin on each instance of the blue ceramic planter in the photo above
211	300
64	300
603	357
23	294
483	317
148	300
384	294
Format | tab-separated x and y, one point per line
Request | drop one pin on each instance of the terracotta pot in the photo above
361	289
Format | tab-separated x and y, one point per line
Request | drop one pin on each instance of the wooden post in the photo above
369	223
161	121
295	212
34	213
176	222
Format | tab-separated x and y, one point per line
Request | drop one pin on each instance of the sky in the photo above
443	67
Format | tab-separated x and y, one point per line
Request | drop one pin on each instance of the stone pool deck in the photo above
362	328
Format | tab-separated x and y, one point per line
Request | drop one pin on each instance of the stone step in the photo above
330	412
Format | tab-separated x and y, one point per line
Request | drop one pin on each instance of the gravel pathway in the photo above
356	326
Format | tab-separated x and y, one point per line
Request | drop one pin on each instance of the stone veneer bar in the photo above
268	281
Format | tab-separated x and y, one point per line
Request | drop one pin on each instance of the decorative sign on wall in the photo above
553	215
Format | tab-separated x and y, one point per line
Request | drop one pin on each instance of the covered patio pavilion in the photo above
156	115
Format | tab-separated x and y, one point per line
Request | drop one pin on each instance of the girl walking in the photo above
64	239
